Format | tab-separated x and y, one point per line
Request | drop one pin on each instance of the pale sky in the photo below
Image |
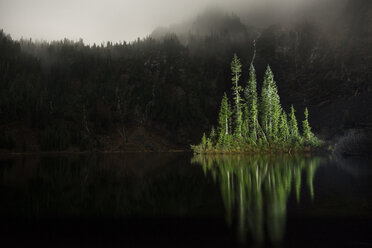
94	20
102	20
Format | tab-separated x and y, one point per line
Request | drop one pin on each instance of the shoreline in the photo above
86	152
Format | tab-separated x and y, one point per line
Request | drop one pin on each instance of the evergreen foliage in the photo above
309	137
251	97
270	106
213	134
70	95
283	128
265	107
277	132
204	141
224	119
236	69
307	134
245	121
103	90
293	127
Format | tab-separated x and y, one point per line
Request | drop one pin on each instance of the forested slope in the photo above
163	91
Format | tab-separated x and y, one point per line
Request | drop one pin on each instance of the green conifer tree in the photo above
265	106
213	134
235	134
236	69
277	111
293	128
224	119
306	129
204	142
230	118
270	106
283	128
251	98
245	124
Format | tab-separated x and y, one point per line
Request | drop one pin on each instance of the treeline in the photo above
71	94
61	94
251	123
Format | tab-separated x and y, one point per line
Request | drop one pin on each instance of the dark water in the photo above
177	200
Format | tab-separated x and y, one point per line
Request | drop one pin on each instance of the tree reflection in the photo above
256	190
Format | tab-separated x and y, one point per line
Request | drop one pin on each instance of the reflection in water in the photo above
256	189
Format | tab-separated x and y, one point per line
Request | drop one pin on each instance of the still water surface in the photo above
180	200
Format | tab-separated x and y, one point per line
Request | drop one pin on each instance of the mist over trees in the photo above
61	94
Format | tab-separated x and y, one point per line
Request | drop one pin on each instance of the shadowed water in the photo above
161	199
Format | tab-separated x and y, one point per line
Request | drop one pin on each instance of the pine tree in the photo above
224	118
307	134
277	111
230	108
204	142
266	105
236	69
283	127
252	103
213	134
293	128
270	106
245	121
235	134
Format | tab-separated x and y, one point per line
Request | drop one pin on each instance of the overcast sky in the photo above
104	20
94	20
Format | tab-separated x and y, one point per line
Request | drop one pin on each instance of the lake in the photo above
181	200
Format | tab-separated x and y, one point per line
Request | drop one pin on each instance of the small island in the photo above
256	124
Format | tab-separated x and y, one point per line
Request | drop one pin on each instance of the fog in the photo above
113	20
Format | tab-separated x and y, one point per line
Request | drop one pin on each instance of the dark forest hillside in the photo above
162	92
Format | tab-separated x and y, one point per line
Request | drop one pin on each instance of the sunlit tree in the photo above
243	132
266	106
306	129
283	127
270	105
236	69
245	121
224	119
293	127
213	134
251	99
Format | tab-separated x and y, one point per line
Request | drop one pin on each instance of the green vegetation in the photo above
255	190
250	125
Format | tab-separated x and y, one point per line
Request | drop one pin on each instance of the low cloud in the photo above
99	21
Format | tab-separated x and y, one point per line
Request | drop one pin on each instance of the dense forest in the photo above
162	92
